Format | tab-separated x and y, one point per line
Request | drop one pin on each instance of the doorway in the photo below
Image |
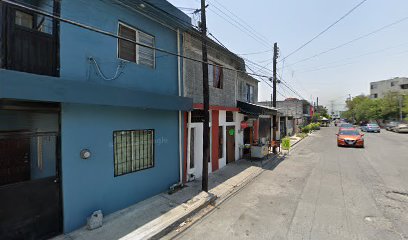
30	203
230	133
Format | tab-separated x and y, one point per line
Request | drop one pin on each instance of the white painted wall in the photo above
198	152
239	136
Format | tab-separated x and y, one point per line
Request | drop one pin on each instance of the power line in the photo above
251	29
240	28
106	33
255	53
329	65
325	30
351	41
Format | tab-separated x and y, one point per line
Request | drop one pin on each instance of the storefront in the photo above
257	127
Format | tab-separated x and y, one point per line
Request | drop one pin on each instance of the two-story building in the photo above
232	93
91	111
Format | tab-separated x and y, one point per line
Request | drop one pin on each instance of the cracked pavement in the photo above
321	192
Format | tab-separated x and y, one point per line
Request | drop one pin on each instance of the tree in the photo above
390	105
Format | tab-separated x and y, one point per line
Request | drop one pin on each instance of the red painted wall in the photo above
215	143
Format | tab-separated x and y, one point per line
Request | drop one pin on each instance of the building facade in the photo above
380	88
89	121
294	113
228	85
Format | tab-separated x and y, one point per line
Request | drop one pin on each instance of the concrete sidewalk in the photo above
158	215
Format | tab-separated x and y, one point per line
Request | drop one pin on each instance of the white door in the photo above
195	156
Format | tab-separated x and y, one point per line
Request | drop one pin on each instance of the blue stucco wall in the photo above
77	45
89	185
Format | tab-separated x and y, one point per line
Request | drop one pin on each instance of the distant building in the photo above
380	88
293	112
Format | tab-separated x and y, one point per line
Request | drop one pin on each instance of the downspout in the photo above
180	113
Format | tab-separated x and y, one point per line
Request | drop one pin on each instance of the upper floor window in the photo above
404	86
34	22
215	75
136	53
393	84
249	93
373	86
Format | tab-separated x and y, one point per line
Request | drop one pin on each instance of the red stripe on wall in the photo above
215	141
218	108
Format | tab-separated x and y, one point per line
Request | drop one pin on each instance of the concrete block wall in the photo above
192	74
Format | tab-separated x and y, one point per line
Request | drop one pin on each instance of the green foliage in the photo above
306	129
363	108
286	143
301	135
311	127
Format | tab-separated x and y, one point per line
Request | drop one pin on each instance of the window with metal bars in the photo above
133	150
129	51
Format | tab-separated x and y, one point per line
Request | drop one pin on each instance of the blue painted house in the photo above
90	110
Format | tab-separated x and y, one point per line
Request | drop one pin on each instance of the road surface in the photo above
322	192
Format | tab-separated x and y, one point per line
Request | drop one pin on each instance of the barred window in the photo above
136	53
133	150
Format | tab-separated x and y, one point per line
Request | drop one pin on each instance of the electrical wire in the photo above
118	72
240	22
324	31
106	33
238	27
351	41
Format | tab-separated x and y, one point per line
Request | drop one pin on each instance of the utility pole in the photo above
275	124
317	104
206	102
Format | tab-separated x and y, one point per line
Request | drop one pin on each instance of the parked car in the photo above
371	127
389	126
350	138
401	128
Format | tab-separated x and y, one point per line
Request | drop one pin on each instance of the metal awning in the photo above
30	87
254	109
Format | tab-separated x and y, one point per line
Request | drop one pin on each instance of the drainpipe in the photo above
180	113
188	142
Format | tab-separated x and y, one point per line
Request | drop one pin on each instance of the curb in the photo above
210	201
273	162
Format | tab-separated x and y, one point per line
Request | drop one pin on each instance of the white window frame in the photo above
137	45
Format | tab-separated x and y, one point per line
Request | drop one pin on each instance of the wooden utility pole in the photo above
206	102
275	123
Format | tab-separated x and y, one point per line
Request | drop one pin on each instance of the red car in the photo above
350	138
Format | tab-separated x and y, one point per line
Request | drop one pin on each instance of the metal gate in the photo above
29	185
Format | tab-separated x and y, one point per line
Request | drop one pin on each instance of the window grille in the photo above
133	150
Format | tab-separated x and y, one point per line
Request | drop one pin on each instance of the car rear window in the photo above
347	125
372	125
349	133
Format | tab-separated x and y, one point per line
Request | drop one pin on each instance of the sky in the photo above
246	27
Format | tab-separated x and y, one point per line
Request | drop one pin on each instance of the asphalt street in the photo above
322	192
